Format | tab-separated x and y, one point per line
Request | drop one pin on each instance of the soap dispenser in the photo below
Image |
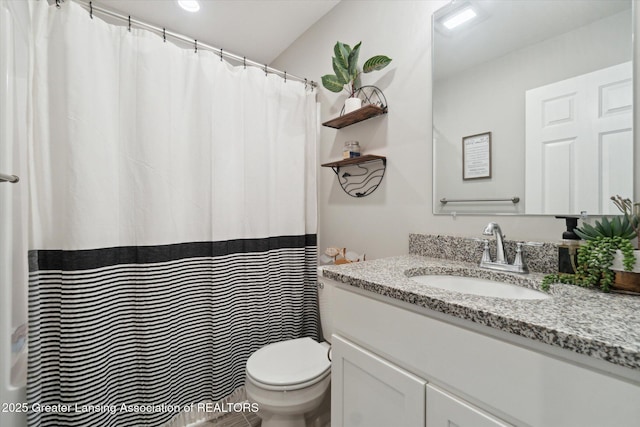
568	248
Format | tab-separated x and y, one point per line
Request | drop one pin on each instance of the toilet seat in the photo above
289	365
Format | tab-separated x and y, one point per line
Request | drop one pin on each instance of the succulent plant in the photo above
595	257
631	211
345	67
619	226
593	264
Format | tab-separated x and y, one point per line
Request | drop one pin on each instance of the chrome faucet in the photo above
501	264
494	229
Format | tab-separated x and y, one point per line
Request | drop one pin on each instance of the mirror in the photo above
532	107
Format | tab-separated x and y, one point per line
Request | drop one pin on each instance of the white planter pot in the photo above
352	104
617	262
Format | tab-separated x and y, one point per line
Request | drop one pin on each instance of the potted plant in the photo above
347	72
631	211
595	257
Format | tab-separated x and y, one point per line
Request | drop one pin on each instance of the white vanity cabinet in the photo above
368	391
395	364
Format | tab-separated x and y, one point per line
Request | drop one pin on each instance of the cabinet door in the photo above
446	410
368	391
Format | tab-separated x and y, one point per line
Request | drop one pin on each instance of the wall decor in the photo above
476	156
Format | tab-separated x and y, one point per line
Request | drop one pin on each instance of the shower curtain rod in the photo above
8	178
91	8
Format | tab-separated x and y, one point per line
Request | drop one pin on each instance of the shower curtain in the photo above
173	221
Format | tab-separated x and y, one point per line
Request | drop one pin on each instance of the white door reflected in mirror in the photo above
579	133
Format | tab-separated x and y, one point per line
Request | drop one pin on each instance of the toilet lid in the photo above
288	363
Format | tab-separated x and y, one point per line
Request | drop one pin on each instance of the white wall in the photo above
379	224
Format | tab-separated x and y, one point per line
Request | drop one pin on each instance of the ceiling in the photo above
505	26
257	29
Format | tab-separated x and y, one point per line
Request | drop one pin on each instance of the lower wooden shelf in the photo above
359	179
355	160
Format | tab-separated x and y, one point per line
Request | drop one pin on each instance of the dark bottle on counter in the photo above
568	249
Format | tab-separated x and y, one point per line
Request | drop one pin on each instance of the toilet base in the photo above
299	408
319	417
275	420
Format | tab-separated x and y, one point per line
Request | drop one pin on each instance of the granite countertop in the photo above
586	321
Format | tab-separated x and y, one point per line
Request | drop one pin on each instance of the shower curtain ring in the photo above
265	70
58	4
220	54
196	44
305	84
91	10
129	23
164	35
244	61
285	76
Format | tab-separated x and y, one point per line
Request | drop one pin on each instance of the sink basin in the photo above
482	287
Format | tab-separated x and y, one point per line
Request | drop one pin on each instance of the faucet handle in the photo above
486	255
530	243
518	261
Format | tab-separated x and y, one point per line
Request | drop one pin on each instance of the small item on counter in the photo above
340	256
335	252
351	149
568	248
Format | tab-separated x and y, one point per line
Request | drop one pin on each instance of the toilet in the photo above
290	380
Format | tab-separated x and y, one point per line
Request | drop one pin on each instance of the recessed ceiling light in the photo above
189	5
460	18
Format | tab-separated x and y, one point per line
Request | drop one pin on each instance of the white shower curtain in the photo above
173	220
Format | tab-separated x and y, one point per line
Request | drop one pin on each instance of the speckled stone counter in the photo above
589	322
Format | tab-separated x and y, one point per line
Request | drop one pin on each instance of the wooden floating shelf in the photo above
364	113
354	161
365	179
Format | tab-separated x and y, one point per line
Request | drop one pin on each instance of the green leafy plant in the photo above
631	212
595	257
345	67
594	261
619	226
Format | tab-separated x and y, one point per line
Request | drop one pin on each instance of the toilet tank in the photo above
325	301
